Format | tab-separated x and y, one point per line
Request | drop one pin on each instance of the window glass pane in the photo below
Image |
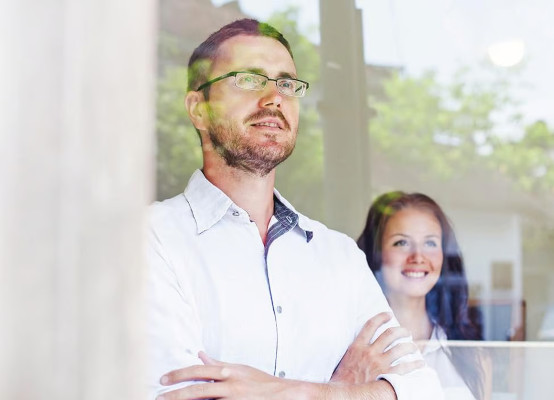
448	98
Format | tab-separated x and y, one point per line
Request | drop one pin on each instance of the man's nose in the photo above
271	96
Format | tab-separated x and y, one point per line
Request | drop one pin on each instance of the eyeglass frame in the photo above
234	74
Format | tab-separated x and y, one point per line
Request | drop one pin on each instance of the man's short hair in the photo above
206	53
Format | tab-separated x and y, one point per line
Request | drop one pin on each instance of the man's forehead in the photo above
254	53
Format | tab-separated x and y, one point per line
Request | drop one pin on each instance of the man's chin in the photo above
261	164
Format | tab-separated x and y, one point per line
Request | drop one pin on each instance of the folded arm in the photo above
241	382
356	377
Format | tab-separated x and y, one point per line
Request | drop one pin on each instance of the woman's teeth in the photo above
414	274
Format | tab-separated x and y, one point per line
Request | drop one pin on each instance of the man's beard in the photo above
233	146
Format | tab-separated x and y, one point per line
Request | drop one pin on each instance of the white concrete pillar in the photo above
77	89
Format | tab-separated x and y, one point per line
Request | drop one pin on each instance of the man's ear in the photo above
196	107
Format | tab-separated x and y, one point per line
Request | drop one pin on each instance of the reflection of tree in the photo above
529	160
179	152
450	127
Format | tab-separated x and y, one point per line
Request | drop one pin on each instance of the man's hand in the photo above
364	361
228	381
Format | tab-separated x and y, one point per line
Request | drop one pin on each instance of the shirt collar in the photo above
438	340
304	223
209	204
288	217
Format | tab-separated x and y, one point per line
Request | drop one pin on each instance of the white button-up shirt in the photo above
290	308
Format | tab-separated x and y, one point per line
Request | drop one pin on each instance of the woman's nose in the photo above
416	255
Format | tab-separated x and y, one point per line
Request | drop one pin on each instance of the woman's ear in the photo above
196	107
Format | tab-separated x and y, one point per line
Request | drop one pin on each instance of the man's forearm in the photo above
238	382
378	390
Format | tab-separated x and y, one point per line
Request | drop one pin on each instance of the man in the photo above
238	275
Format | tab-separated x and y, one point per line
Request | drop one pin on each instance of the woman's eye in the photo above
431	243
400	243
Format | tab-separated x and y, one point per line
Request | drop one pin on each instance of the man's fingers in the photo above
196	392
207	360
407	367
391	334
400	350
371	326
196	373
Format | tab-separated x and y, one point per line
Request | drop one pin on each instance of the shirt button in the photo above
236	213
279	309
282	374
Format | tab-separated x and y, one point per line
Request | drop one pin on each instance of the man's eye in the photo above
250	78
287	84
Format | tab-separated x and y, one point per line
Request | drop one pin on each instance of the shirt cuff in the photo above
421	384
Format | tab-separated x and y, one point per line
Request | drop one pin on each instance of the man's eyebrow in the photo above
262	71
287	75
255	70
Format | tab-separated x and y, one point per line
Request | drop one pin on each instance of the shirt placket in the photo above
286	220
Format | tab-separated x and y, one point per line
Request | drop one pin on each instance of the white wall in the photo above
488	237
485	238
77	83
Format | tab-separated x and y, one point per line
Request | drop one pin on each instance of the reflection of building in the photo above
190	22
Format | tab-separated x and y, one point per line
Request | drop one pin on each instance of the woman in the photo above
412	250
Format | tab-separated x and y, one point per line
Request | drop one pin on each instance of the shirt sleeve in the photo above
422	384
174	331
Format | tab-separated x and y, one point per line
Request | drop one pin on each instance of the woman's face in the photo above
412	253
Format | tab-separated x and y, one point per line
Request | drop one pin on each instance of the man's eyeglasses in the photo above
253	81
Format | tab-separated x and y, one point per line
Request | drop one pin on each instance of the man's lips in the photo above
269	118
269	123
